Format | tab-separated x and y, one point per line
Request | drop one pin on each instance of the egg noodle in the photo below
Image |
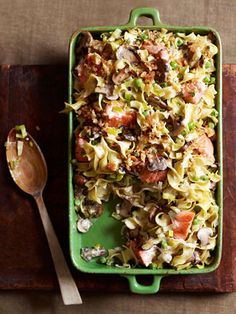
146	118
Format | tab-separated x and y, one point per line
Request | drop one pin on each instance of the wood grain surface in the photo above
34	95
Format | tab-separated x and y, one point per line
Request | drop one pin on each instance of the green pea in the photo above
194	178
164	244
179	42
204	178
144	36
195	221
128	96
208	64
206	80
145	113
211	125
138	82
214	113
191	125
174	65
212	80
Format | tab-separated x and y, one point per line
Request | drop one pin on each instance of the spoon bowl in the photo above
29	171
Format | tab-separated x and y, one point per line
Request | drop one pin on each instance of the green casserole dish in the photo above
106	230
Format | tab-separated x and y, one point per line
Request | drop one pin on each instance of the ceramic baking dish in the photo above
106	230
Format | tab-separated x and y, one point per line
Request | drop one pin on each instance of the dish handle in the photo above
152	13
136	287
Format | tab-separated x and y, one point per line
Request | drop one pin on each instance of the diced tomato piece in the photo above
117	118
79	151
146	256
182	224
153	176
192	92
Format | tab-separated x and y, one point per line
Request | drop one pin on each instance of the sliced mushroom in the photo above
161	71
157	102
88	253
79	179
85	41
83	225
204	234
156	163
119	77
127	54
124	208
130	234
97	46
108	53
153	212
178	129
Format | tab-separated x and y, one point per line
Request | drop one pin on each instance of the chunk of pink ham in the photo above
193	92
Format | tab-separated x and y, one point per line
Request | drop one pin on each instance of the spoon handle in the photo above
69	290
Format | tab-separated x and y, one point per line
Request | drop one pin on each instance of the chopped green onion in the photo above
117	109
171	233
144	36
153	266
12	164
119	177
195	221
185	131
200	266
174	65
128	96
138	82
204	178
21	128
191	125
179	42
116	216
102	260
212	80
136	154
19	147
77	202
208	64
214	113
194	178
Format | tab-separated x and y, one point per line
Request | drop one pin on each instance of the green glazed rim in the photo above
74	236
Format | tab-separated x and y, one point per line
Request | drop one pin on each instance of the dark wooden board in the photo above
34	95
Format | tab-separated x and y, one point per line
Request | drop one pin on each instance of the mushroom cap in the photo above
83	225
204	234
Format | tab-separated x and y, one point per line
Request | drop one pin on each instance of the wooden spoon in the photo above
29	171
